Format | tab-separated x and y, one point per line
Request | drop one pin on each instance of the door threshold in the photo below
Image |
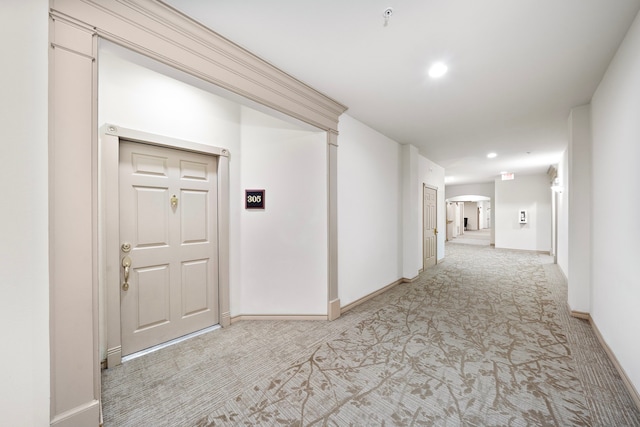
169	343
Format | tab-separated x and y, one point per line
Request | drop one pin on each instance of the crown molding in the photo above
158	31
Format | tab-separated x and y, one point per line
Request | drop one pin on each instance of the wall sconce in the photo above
556	187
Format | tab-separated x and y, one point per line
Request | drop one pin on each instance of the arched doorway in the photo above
469	219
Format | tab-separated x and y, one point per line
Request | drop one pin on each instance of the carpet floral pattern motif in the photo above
460	346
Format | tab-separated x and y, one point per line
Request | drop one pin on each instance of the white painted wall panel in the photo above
529	192
369	210
579	197
471	213
411	212
563	214
283	247
380	209
24	275
616	201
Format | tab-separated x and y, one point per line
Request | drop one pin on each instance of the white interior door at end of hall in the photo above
429	225
168	214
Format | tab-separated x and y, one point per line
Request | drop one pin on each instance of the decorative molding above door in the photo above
164	34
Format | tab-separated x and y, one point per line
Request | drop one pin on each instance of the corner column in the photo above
333	310
73	294
223	239
580	203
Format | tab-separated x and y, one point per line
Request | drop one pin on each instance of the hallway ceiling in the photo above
516	68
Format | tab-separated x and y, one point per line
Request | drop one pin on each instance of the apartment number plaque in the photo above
254	199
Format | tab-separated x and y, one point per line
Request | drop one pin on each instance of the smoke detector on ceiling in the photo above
387	14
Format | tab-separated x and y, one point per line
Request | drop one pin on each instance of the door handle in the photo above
126	263
435	231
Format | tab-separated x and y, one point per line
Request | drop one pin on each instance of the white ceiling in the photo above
516	67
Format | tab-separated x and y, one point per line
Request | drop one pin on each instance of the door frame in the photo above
424	187
109	226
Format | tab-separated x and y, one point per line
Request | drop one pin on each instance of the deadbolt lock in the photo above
126	247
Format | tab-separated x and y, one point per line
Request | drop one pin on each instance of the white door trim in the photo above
109	228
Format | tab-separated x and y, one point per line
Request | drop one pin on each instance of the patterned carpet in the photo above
479	340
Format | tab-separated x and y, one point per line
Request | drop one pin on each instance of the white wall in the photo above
24	276
579	153
471	213
369	210
485	189
563	214
458	220
284	247
529	192
486	214
411	238
136	97
482	223
615	109
380	210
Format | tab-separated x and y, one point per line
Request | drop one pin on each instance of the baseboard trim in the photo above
83	415
225	319
334	309
376	293
114	356
242	317
581	315
530	251
635	396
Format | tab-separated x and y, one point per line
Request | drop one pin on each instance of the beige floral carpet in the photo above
479	340
473	345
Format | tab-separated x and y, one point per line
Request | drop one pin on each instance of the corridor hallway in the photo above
474	237
483	338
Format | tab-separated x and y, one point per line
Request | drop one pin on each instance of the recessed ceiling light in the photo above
437	70
491	155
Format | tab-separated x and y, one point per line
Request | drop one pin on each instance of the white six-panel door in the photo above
429	227
168	216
